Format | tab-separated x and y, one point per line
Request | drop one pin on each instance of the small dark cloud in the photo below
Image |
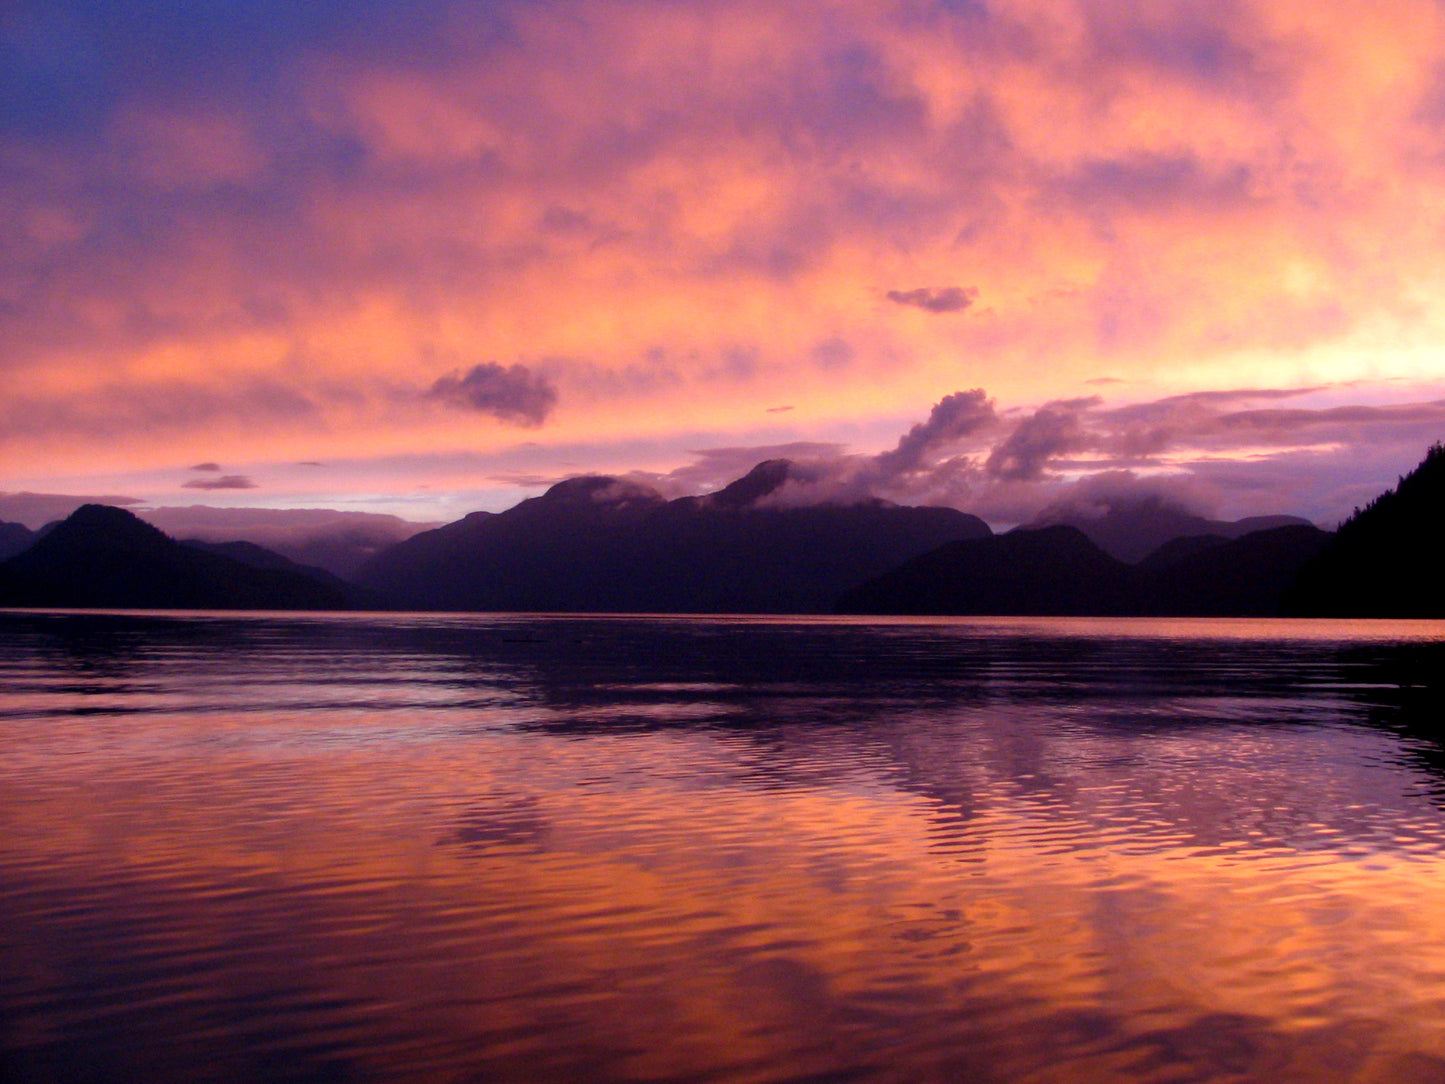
946	299
206	466
226	481
512	394
779	409
310	463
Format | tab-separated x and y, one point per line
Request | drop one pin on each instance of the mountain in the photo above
1045	570
1385	560
339	542
602	544
14	538
254	556
1132	529
1212	577
105	557
1060	571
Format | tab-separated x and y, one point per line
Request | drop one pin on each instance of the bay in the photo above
380	847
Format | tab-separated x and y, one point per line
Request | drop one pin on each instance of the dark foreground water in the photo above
376	848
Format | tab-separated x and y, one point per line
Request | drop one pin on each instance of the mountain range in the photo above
104	557
603	544
1059	570
1131	530
600	544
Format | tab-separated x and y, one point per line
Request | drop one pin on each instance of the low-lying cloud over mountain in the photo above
1234	452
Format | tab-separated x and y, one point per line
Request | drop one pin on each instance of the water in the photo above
460	848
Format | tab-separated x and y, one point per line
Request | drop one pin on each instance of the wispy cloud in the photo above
226	481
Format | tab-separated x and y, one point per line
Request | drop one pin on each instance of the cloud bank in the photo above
252	232
1211	453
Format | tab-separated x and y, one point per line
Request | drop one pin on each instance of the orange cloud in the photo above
677	215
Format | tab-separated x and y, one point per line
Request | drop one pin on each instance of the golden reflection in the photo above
649	900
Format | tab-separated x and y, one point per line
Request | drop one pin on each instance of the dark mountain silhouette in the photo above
105	557
1385	560
1132	529
600	544
1059	571
1177	549
1044	570
254	556
1241	577
339	542
14	538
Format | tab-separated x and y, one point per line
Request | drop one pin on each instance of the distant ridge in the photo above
597	543
1045	570
1059	571
106	557
254	556
1130	530
1386	560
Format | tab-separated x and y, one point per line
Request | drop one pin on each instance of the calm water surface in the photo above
461	848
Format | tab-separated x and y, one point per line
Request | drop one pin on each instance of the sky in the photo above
429	257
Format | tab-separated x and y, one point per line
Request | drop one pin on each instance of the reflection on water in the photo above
380	847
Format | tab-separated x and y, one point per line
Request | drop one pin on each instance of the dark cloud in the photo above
1153	182
67	66
206	467
945	299
123	410
954	417
226	481
778	409
310	463
513	394
1049	432
1211	48
1332	421
1203	420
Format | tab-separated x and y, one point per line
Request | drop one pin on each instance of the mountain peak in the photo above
102	556
1130	527
600	489
762	480
107	525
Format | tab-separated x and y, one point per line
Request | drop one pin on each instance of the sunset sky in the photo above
428	257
